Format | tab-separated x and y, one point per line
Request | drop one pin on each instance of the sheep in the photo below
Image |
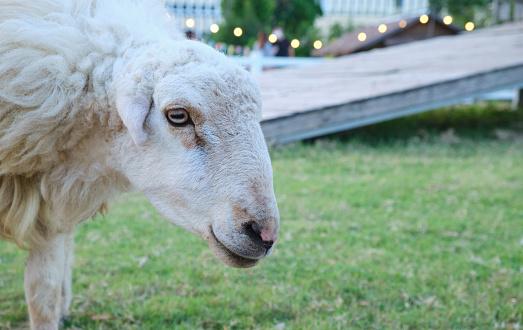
99	98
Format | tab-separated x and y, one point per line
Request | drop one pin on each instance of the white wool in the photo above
86	89
56	65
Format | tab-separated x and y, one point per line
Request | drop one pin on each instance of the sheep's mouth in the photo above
226	255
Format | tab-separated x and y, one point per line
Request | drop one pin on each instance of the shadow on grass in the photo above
484	120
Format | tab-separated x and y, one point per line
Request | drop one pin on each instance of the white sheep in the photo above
102	97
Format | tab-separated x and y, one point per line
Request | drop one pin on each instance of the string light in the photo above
317	44
382	28
469	26
447	20
273	38
424	19
189	23
214	28
238	32
403	23
362	36
295	43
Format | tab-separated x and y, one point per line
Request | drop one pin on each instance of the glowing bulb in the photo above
403	24
317	44
447	20
295	43
362	36
382	28
189	23
273	38
214	28
469	26
424	19
238	32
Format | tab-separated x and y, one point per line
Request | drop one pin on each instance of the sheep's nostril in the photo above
254	230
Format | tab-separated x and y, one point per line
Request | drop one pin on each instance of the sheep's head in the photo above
195	149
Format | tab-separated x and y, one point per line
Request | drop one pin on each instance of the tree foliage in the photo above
250	15
296	17
461	10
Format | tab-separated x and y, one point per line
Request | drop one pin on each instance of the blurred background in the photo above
238	22
396	136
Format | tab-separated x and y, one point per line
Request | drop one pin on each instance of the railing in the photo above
372	7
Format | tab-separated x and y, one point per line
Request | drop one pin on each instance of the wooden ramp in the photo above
388	83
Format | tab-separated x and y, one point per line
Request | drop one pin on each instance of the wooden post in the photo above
432	26
517	99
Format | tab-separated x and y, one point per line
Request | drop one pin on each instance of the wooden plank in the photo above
388	83
385	107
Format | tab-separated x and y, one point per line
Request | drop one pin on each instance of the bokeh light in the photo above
382	28
317	44
238	32
447	20
424	19
295	43
214	28
403	23
469	26
189	23
362	36
273	38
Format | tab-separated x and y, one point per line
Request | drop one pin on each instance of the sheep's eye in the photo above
177	117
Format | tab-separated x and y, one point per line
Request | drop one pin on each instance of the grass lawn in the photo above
416	223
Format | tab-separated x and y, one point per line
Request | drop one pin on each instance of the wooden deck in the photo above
383	84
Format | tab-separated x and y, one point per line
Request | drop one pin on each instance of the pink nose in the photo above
265	235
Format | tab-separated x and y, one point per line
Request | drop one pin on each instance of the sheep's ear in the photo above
133	111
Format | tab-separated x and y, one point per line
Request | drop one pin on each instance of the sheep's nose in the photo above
260	234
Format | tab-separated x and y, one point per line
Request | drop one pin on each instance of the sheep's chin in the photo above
228	257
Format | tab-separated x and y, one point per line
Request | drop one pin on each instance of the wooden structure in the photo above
352	8
395	33
507	10
387	83
202	12
363	12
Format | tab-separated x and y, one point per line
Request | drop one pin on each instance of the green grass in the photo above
416	223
